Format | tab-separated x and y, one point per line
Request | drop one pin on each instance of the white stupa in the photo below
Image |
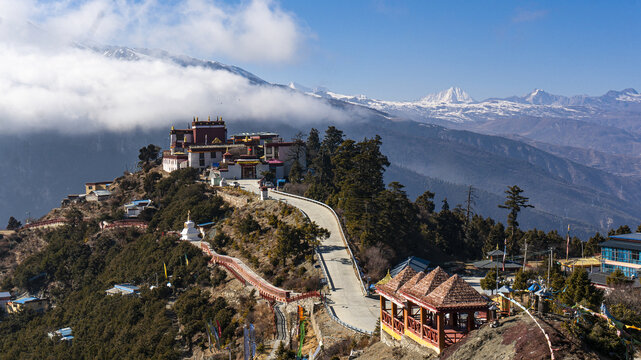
189	233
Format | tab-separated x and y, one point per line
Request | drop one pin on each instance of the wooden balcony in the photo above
386	318
399	327
452	336
426	333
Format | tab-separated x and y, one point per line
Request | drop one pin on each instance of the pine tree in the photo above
514	202
592	246
425	203
312	146
295	173
579	289
13	224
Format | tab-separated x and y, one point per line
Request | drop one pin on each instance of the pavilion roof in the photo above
427	284
390	289
412	282
454	293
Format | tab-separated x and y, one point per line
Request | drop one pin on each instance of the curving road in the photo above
346	293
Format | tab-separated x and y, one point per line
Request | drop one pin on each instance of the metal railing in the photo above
331	313
343	237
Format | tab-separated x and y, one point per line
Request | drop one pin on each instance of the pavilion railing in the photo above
399	327
430	334
414	326
386	318
454	337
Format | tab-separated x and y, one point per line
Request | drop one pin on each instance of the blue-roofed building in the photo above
123	289
98	195
64	334
134	208
622	252
416	263
26	302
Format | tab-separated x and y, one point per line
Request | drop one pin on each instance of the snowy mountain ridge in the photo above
456	106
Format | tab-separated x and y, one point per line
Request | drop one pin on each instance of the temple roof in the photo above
428	283
454	293
414	262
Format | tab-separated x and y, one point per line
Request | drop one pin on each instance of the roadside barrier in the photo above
343	237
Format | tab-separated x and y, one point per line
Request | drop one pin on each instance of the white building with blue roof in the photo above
26	302
64	334
123	289
134	208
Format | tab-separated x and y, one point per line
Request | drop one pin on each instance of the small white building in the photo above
98	195
134	208
5	297
64	334
172	162
123	289
189	232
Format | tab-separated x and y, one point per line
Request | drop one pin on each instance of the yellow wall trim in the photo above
422	342
391	332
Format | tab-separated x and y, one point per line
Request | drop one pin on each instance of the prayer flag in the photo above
165	265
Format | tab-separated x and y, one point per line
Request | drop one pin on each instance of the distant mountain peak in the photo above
453	95
298	87
540	97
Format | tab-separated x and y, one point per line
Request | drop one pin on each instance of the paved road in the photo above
346	298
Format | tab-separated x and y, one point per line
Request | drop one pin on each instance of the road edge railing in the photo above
332	315
321	260
340	227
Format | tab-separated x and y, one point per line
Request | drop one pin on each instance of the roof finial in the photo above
188	215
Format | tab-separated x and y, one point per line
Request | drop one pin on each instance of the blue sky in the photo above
406	49
401	50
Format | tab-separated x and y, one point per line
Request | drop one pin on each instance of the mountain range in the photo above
576	157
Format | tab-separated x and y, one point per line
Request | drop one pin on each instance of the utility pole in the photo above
525	255
549	267
470	192
496	272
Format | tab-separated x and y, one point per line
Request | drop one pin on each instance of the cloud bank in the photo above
47	84
254	31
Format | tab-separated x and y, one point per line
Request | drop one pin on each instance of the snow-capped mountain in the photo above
452	95
135	54
455	106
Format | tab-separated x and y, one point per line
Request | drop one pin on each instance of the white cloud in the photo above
81	91
255	31
48	85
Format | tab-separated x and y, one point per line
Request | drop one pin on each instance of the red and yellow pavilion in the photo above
433	309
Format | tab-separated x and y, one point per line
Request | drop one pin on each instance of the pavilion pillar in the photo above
393	313
382	301
452	320
440	328
470	321
407	311
422	313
